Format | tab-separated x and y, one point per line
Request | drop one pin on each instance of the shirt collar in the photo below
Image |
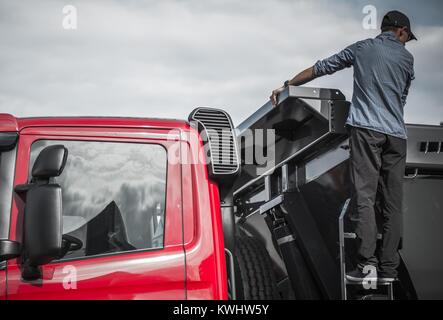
389	35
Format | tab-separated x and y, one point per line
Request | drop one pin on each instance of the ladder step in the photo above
380	283
349	235
353	235
388	285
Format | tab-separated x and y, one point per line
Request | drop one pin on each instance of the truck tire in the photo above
255	279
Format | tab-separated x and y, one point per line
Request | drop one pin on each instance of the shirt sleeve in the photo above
408	85
339	61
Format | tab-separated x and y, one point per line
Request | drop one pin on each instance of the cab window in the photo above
113	195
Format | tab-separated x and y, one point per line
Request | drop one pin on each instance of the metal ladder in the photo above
350	235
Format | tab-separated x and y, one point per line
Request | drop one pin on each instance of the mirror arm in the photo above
9	249
22	189
30	272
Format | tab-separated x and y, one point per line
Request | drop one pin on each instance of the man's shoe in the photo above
358	276
386	278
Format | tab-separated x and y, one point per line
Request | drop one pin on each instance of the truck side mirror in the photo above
43	227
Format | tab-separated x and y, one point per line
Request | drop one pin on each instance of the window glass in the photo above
113	195
7	165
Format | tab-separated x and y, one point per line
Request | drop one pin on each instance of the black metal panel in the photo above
304	119
325	197
422	235
291	92
321	262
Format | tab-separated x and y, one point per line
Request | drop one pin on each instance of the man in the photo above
383	71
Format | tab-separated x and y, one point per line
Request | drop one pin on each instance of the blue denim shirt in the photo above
383	71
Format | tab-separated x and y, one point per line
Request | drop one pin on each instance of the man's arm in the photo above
339	61
408	85
303	77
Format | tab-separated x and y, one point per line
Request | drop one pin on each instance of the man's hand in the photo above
303	77
274	95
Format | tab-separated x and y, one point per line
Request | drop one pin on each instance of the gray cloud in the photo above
163	58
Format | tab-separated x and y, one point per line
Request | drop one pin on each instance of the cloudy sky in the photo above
163	58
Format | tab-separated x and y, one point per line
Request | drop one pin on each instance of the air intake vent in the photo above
217	132
431	146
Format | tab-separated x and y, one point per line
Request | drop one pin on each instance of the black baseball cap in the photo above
397	19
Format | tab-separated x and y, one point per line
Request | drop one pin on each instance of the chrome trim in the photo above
231	273
413	176
286	239
341	234
213	124
271	204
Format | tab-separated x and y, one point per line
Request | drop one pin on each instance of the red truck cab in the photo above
141	215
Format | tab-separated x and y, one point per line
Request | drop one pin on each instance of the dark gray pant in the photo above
377	168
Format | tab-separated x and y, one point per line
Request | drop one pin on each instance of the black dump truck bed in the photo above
293	205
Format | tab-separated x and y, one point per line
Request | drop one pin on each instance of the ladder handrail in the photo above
341	231
342	249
